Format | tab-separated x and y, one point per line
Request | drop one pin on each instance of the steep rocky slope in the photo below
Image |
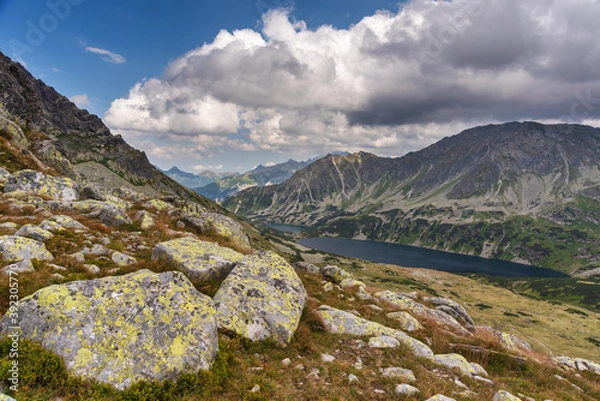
71	141
511	191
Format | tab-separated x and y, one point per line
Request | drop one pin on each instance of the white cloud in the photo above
210	167
54	69
80	100
389	84
107	55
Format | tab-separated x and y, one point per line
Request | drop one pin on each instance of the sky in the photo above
227	85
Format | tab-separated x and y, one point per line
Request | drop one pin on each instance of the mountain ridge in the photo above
437	197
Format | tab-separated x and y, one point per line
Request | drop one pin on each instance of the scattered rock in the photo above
483	380
383	342
578	364
91	269
405	375
255	389
340	322
350	282
122	260
456	361
454	309
59	223
440	397
96	250
58	188
78	257
91	191
508	341
314	374
108	213
286	362
262	297
307	268
406	390
327	358
422	312
335	273
4	397
14	249
120	330
505	396
352	378
358	364
147	221
222	226
327	287
406	321
9	225
199	260
158	205
23	266
35	232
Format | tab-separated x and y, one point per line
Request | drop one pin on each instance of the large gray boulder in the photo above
341	322
34	232
221	226
120	330
108	213
58	188
199	260
14	248
261	298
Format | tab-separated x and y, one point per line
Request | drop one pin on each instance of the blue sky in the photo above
229	84
147	33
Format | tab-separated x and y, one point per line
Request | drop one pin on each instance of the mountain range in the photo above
521	191
197	180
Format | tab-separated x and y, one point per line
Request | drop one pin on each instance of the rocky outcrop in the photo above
221	226
261	298
108	213
120	330
420	311
199	260
14	249
341	322
58	188
579	364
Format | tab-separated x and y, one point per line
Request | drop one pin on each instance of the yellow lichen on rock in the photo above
120	330
197	259
261	298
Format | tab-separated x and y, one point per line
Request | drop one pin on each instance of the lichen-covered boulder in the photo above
14	249
262	297
221	226
60	223
505	396
422	312
453	309
58	188
509	341
108	213
122	260
158	205
405	375
341	322
456	361
406	390
120	330
4	397
23	266
199	260
4	174
406	321
307	267
146	219
335	273
34	232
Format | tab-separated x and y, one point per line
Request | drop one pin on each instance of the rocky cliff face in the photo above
472	192
72	141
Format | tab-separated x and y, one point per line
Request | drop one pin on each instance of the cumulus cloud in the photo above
394	82
80	100
107	55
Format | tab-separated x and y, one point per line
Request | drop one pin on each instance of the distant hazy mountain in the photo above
261	176
191	180
518	191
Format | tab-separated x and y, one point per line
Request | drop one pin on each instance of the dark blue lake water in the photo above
411	256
